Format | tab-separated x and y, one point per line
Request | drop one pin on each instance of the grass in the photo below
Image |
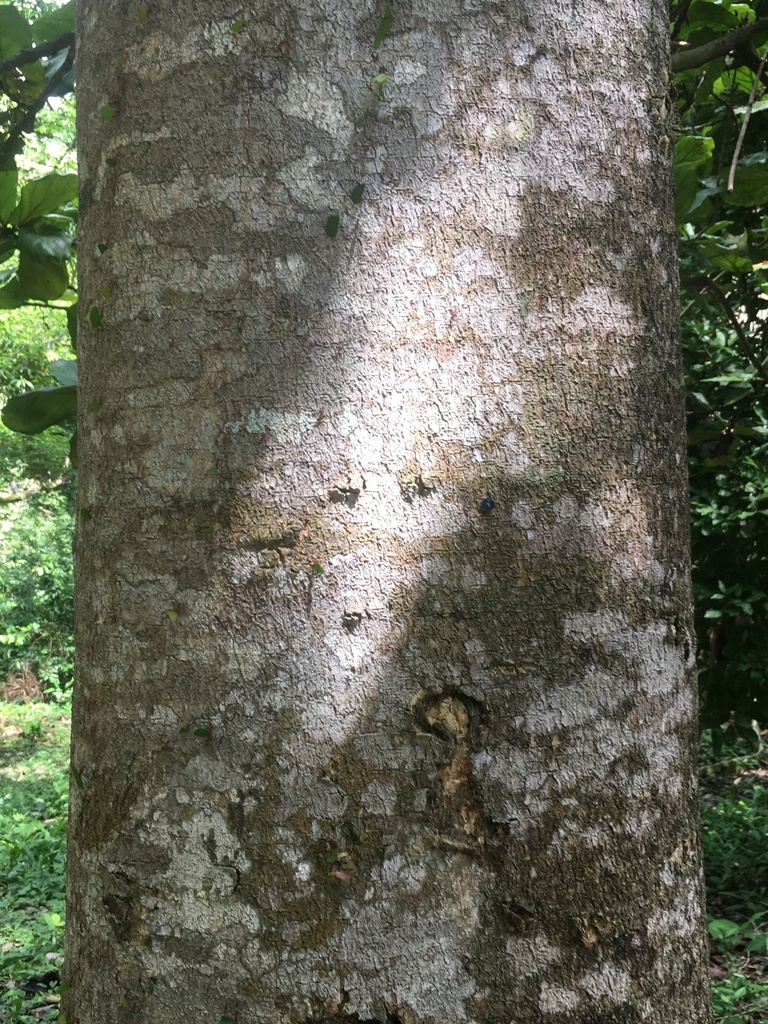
34	755
34	758
734	819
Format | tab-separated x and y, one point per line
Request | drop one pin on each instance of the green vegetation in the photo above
36	590
721	174
34	759
734	818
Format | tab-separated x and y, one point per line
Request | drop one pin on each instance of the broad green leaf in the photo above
107	112
7	248
44	281
712	18
64	371
44	195
385	26
52	66
357	193
332	225
37	410
750	186
25	84
12	295
54	23
53	245
693	161
95	316
15	33
733	261
722	929
72	324
739	79
22	84
142	11
9	188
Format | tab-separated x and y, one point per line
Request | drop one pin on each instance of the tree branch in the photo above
683	60
27	123
33	53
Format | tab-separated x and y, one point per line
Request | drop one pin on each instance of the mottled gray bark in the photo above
350	745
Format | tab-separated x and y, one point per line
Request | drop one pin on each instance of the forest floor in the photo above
34	758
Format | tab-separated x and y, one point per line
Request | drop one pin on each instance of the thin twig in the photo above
747	112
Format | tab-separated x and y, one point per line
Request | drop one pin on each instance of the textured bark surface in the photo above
348	746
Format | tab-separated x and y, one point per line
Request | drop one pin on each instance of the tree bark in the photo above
384	705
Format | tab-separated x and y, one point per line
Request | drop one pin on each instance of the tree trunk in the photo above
384	704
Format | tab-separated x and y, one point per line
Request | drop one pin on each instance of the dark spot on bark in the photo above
416	488
351	620
344	495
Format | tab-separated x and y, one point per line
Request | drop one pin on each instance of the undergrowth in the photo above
734	820
34	758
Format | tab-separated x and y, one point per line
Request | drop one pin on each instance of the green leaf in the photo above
25	84
332	225
95	316
722	929
227	1020
202	733
72	324
44	195
15	33
9	187
55	23
357	194
102	247
107	112
85	513
44	281
37	410
385	26
693	161
142	10
237	26
12	295
47	246
64	371
7	249
750	186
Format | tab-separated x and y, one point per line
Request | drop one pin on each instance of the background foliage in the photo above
723	265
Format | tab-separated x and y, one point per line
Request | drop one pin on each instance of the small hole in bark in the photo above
351	621
344	495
